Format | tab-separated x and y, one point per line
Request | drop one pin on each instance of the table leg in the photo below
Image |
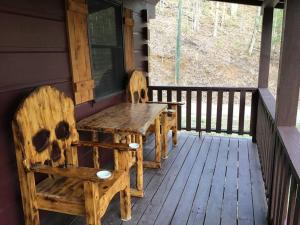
164	126
157	162
139	167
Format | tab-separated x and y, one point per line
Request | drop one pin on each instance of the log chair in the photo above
46	142
137	92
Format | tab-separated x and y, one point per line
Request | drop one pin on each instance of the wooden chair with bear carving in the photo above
46	142
138	93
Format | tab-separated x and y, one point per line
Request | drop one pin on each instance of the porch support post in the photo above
289	67
265	49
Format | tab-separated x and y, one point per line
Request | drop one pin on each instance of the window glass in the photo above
106	47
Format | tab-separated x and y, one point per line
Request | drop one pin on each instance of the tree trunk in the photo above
234	10
223	15
178	43
216	19
255	29
196	8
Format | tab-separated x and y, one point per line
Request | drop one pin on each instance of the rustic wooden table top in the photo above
124	117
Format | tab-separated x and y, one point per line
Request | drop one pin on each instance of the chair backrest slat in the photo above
137	88
44	127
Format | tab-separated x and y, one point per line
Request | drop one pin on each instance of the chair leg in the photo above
125	203
91	193
174	135
28	191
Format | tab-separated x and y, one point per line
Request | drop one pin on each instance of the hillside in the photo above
219	46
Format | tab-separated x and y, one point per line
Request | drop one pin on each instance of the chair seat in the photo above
56	193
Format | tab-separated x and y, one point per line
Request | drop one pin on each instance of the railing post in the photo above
265	49
289	72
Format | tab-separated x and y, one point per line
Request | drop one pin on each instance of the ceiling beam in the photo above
270	3
280	4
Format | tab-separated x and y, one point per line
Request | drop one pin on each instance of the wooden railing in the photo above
279	147
198	114
279	150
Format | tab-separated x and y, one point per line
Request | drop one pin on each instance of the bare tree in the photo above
216	19
196	12
223	15
254	32
234	10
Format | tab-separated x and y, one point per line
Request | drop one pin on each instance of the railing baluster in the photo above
230	112
188	109
150	94
219	112
159	95
292	202
253	118
208	111
178	98
296	217
285	194
169	95
199	110
242	113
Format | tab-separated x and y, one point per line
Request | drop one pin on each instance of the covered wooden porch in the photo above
206	180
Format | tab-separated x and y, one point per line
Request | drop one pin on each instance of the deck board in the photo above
210	180
229	207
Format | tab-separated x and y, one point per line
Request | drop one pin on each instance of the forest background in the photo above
219	45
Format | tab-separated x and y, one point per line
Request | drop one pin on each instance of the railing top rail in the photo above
268	101
203	88
288	136
290	139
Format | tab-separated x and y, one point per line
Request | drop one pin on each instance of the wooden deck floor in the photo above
209	180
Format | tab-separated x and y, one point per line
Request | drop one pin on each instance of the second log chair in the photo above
137	92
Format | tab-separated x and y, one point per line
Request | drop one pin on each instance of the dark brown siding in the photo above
33	52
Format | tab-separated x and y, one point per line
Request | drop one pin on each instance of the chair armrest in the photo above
168	103
82	173
120	147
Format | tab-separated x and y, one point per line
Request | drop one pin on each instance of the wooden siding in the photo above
33	52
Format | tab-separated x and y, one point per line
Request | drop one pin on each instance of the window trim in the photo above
100	98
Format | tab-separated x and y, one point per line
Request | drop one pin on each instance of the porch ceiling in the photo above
280	5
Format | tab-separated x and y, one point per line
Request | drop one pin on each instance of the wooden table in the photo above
130	122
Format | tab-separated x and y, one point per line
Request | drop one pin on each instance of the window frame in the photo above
114	3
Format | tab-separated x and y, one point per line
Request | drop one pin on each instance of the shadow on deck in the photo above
209	180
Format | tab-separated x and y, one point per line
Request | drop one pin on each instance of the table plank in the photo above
124	117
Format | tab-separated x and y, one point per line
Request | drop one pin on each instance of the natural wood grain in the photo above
128	40
77	27
138	93
137	88
44	134
124	117
96	159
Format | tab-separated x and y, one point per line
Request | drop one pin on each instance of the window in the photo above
106	47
